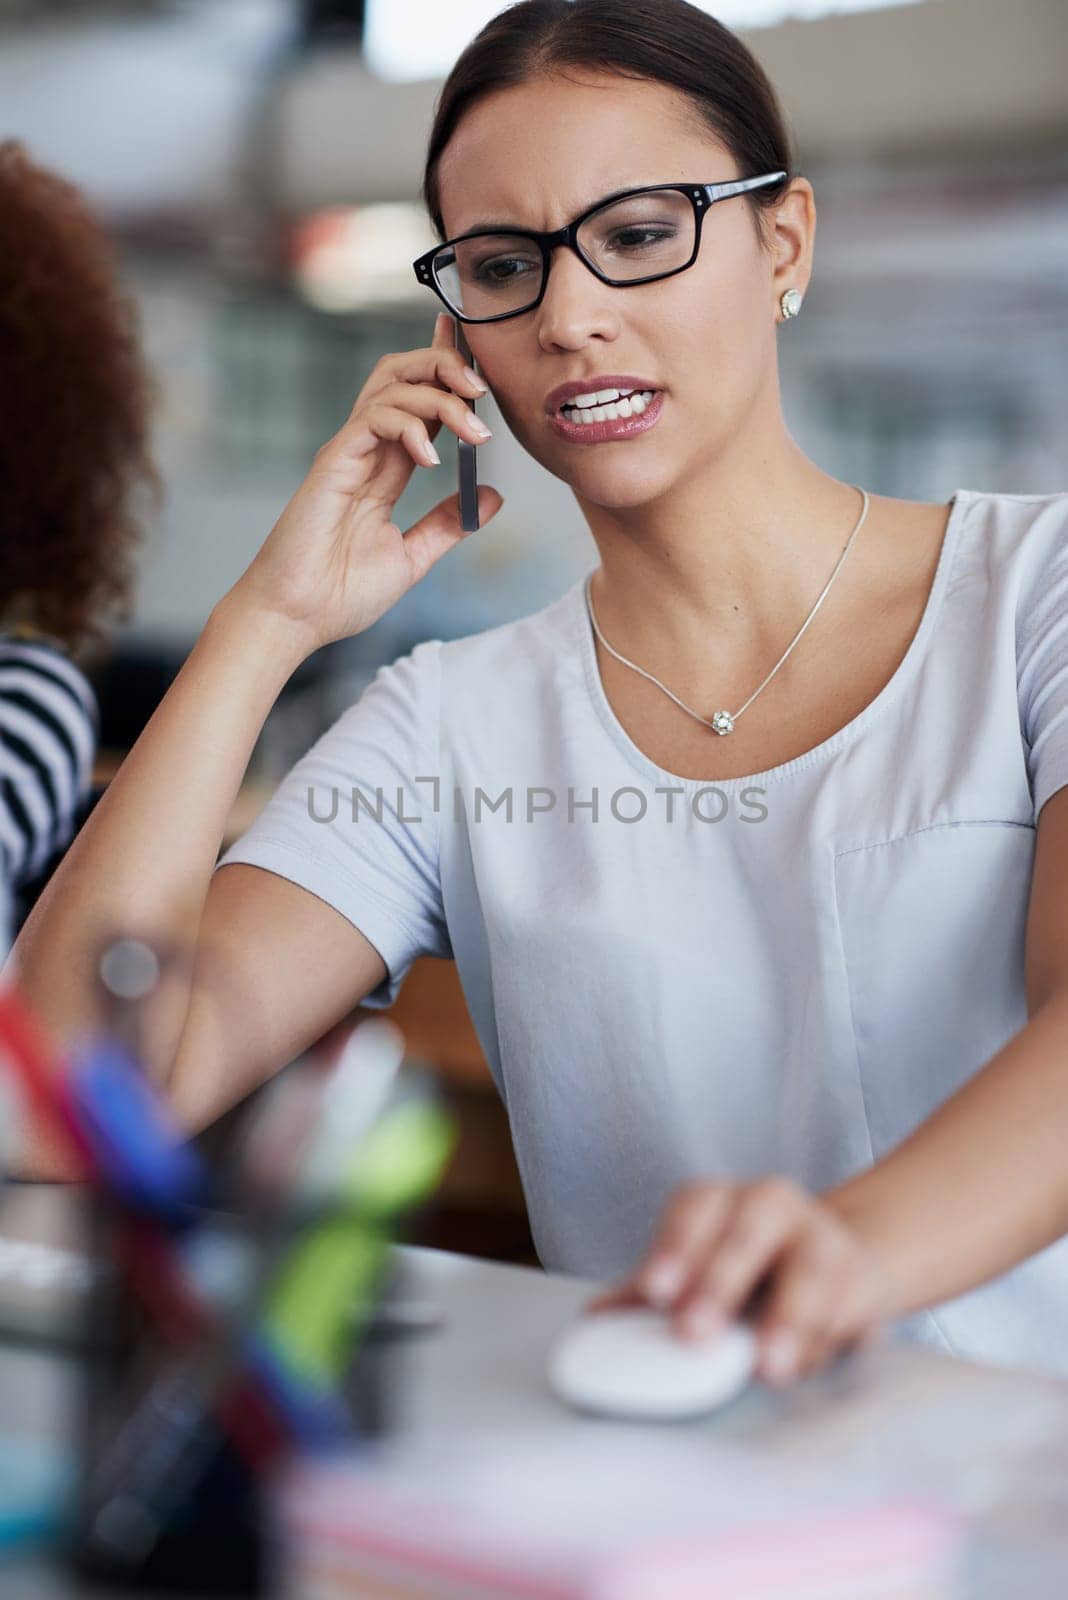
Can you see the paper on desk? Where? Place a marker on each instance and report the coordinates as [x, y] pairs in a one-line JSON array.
[[36, 1479], [616, 1515]]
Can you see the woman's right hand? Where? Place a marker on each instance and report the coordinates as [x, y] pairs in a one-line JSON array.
[[334, 562]]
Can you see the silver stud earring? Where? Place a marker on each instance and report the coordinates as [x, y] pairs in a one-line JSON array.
[[791, 302]]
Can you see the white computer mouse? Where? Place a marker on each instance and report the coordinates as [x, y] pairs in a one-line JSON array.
[[631, 1362]]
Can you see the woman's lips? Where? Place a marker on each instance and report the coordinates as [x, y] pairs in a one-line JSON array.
[[601, 432]]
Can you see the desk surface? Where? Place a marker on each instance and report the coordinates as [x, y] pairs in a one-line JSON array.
[[897, 1417]]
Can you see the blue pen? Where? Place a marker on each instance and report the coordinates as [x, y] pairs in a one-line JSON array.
[[142, 1157]]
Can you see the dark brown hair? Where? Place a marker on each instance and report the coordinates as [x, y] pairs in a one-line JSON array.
[[75, 399], [669, 41]]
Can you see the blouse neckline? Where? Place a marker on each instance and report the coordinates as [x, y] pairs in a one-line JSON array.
[[906, 669]]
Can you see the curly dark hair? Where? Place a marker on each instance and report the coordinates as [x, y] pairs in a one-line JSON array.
[[75, 412]]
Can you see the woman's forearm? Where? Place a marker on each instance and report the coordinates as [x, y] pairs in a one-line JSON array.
[[143, 860], [983, 1183]]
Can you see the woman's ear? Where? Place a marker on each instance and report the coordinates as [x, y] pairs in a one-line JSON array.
[[793, 238]]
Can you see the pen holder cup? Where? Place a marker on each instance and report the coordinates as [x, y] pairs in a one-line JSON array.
[[185, 1415]]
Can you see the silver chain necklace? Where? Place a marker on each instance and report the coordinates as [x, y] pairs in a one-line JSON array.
[[723, 721]]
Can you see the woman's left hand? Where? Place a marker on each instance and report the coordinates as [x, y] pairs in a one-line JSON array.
[[820, 1287]]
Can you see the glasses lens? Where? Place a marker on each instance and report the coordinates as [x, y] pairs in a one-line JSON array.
[[490, 274], [640, 236]]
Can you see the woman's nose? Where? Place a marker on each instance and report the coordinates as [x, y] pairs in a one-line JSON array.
[[575, 303]]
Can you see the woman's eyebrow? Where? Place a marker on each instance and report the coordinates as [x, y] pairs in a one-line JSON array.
[[501, 226], [508, 226]]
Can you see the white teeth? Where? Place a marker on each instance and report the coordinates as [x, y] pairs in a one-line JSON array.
[[603, 397], [630, 406]]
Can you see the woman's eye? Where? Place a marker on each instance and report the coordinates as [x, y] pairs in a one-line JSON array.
[[498, 271], [635, 238]]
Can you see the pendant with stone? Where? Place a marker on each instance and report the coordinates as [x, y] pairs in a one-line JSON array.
[[723, 722]]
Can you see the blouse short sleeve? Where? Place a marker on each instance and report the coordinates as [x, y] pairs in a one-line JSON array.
[[1042, 666], [354, 820]]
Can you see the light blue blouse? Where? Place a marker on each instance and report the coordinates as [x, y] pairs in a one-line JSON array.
[[786, 972]]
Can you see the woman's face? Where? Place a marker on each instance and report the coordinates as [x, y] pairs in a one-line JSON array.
[[536, 155]]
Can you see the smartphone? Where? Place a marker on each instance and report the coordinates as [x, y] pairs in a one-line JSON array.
[[468, 473]]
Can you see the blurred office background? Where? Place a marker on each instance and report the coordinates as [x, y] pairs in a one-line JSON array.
[[259, 164]]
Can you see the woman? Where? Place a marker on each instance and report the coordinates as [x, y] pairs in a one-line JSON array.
[[724, 975], [73, 444]]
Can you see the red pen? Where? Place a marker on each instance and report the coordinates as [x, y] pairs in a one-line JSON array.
[[43, 1073]]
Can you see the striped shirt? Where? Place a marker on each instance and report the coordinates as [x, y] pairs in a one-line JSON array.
[[49, 723]]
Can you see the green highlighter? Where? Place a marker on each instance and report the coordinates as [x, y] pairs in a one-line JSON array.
[[327, 1287]]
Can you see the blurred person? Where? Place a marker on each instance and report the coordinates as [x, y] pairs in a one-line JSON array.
[[74, 400], [782, 1027]]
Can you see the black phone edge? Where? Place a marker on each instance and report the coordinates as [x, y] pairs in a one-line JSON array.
[[468, 469]]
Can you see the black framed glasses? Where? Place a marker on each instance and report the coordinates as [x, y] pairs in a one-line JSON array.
[[630, 237]]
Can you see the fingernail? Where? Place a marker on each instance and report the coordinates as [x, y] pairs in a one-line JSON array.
[[430, 453], [704, 1319], [480, 427], [781, 1351], [663, 1280], [473, 377]]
